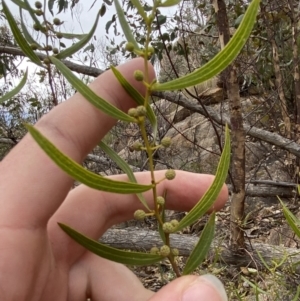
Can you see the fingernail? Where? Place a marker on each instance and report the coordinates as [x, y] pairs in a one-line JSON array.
[[206, 287]]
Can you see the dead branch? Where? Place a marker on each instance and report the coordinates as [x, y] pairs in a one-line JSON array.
[[143, 240], [272, 138]]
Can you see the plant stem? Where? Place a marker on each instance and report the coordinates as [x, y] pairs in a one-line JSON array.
[[171, 257]]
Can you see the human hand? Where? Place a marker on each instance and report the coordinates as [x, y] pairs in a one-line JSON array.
[[38, 261]]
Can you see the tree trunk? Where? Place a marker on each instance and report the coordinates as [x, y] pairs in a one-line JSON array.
[[237, 240], [294, 21], [279, 82]]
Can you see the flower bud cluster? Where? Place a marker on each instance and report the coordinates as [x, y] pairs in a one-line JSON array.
[[166, 141], [170, 227], [139, 111], [59, 35], [129, 47], [151, 50], [56, 21], [136, 146], [174, 223], [38, 12], [175, 252], [138, 75], [38, 4], [154, 250], [170, 174], [160, 201], [132, 112], [139, 215], [165, 251]]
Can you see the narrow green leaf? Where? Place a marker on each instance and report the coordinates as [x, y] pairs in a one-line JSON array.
[[292, 220], [168, 3], [161, 19], [50, 6], [254, 286], [139, 8], [263, 261], [213, 191], [102, 10], [124, 257], [80, 44], [20, 3], [19, 37], [89, 94], [125, 167], [26, 33], [201, 249], [77, 172], [297, 296], [137, 97], [16, 90], [108, 2], [125, 26], [222, 60], [71, 36]]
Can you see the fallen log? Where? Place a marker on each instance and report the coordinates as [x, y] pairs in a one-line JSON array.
[[137, 239]]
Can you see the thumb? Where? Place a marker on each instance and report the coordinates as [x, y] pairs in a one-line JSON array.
[[192, 288]]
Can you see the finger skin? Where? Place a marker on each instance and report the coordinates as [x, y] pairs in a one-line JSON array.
[[191, 288], [33, 187], [30, 180]]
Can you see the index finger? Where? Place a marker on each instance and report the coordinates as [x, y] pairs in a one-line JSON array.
[[33, 186]]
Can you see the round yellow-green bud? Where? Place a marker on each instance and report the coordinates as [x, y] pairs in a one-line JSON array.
[[38, 12], [136, 146], [139, 215], [175, 252], [160, 200], [174, 223], [151, 50], [46, 61], [44, 29], [56, 21], [34, 46], [154, 250], [138, 75], [168, 227], [133, 112], [166, 141], [170, 174], [36, 27], [48, 47], [38, 4], [141, 111], [59, 35], [165, 251], [129, 47], [150, 19], [55, 50]]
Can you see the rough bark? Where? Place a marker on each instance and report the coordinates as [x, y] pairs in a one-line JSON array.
[[296, 75], [238, 136], [279, 86], [279, 82], [144, 240]]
